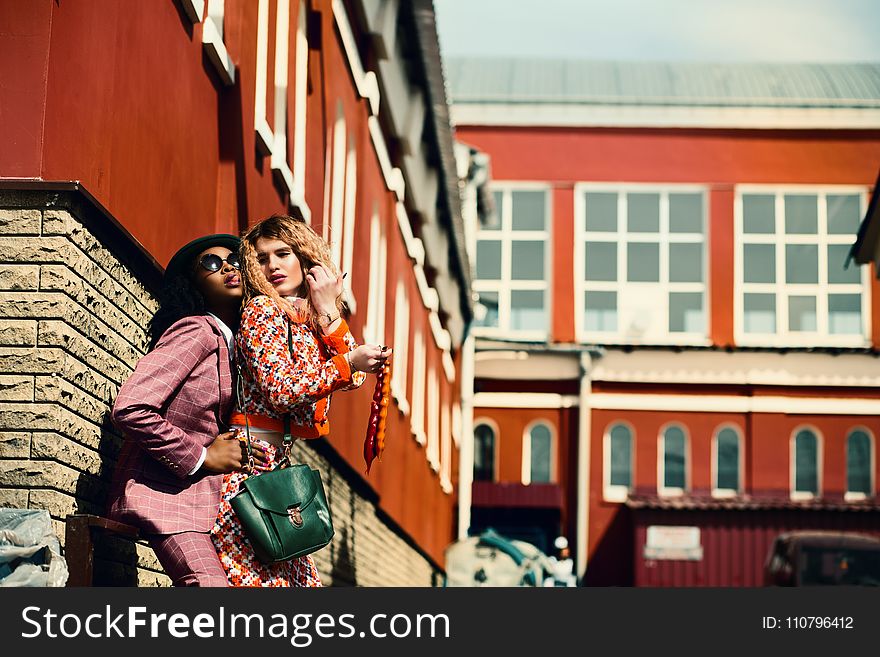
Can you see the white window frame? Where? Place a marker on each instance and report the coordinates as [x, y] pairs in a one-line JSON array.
[[802, 495], [505, 285], [662, 489], [300, 85], [856, 496], [417, 419], [526, 468], [374, 327], [616, 492], [273, 142], [621, 237], [445, 447], [727, 492], [401, 348], [213, 40], [433, 408], [333, 229], [348, 221], [493, 425], [781, 289]]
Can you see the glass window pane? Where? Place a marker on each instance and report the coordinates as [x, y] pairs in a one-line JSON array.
[[601, 211], [541, 451], [759, 214], [643, 213], [486, 310], [620, 457], [528, 209], [493, 219], [801, 214], [759, 263], [686, 263], [527, 311], [643, 262], [600, 311], [806, 452], [527, 261], [600, 260], [686, 213], [759, 313], [484, 453], [802, 313], [845, 314], [728, 460], [673, 458], [837, 256], [489, 260], [858, 463], [801, 263], [686, 312], [843, 214]]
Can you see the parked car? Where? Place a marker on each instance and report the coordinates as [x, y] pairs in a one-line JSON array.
[[819, 558]]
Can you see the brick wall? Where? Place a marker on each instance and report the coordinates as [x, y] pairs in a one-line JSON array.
[[75, 299]]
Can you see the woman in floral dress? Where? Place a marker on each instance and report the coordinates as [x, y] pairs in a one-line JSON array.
[[291, 291]]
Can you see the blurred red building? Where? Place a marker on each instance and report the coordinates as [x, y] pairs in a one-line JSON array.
[[672, 360]]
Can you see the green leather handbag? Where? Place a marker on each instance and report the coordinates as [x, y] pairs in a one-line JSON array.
[[283, 512]]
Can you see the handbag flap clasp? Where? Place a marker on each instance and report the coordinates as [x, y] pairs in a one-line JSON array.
[[283, 489]]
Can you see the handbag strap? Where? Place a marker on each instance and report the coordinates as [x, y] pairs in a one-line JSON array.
[[288, 437]]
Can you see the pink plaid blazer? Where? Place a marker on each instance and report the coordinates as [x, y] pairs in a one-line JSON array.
[[169, 409]]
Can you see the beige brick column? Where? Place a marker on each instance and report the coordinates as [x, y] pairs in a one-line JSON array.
[[72, 320]]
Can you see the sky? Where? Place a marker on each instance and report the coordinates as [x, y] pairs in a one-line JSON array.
[[663, 30]]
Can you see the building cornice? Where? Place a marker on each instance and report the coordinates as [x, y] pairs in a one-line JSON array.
[[570, 115]]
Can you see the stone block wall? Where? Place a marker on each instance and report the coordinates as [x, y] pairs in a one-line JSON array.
[[75, 299]]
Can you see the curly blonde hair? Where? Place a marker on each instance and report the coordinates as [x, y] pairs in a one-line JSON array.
[[309, 248]]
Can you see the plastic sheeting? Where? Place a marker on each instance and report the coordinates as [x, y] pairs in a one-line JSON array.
[[30, 553], [493, 560]]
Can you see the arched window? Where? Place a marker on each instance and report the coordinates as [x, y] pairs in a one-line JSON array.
[[484, 453], [806, 464], [674, 461], [727, 460], [538, 453], [859, 465], [618, 462]]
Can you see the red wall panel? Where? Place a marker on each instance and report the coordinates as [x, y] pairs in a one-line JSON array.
[[686, 156], [24, 58], [720, 235], [735, 543], [562, 303]]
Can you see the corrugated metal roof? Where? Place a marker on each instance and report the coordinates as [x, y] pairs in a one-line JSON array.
[[480, 80]]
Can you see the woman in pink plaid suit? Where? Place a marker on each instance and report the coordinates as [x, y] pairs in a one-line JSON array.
[[292, 292], [173, 410]]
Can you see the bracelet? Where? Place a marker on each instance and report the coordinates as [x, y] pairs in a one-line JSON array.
[[326, 319], [347, 356]]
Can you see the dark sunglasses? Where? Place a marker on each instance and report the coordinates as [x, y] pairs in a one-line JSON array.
[[212, 262]]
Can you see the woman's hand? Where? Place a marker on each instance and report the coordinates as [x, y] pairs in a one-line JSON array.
[[324, 289], [228, 453], [369, 358]]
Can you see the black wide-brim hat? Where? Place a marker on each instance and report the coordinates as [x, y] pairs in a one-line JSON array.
[[181, 262]]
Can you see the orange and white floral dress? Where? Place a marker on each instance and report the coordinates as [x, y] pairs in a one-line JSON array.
[[277, 380]]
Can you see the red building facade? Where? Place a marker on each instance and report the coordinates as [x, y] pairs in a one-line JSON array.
[[166, 120], [663, 286]]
